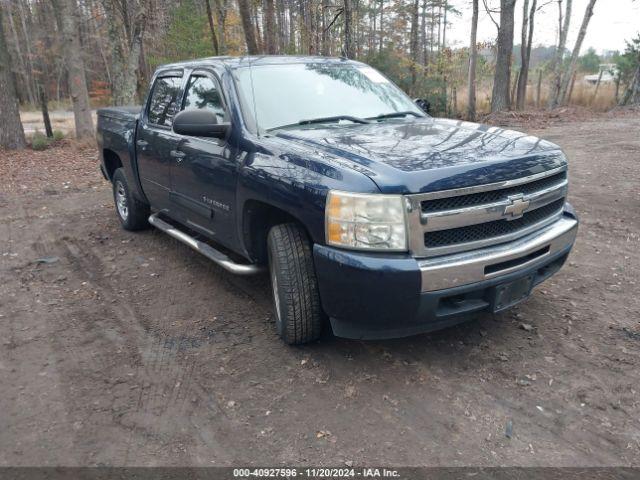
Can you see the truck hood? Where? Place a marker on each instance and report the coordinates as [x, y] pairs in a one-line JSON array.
[[430, 154]]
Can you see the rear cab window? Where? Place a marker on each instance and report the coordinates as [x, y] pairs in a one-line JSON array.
[[164, 101]]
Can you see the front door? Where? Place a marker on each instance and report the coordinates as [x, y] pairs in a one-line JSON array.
[[155, 140], [204, 170]]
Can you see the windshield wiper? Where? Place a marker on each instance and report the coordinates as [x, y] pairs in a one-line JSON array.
[[333, 119], [395, 115], [336, 118]]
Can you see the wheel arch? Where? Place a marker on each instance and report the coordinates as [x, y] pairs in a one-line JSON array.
[[112, 162], [258, 218]]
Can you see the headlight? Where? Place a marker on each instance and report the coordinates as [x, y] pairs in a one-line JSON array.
[[365, 221]]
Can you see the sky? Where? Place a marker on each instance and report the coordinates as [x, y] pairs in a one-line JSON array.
[[613, 22]]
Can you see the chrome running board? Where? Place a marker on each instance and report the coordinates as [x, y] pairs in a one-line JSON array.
[[207, 250]]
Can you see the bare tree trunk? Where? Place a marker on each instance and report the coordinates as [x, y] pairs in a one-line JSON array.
[[25, 29], [325, 34], [43, 71], [270, 27], [214, 38], [281, 26], [221, 14], [595, 93], [44, 108], [523, 56], [301, 25], [354, 28], [370, 28], [632, 94], [381, 46], [573, 84], [634, 97], [500, 99], [348, 38], [525, 51], [444, 25], [67, 12], [423, 33], [413, 46], [132, 69], [454, 103], [439, 24], [247, 25], [444, 92], [127, 21], [258, 32], [20, 57], [11, 133], [473, 60], [313, 37], [514, 88], [100, 44], [576, 52], [432, 29], [539, 89], [557, 67], [292, 29]]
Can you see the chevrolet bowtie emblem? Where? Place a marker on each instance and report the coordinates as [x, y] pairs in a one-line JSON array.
[[517, 206]]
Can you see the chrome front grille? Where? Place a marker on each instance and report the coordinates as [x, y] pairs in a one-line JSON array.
[[463, 219], [497, 228], [491, 196]]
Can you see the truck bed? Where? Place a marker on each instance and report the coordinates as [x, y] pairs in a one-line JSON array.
[[115, 137], [122, 113]]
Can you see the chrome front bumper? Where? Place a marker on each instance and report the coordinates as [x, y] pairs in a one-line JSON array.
[[475, 266]]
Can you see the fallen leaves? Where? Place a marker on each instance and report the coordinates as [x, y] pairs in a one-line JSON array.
[[325, 434], [65, 166]]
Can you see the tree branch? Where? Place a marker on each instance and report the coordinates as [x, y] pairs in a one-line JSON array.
[[488, 10]]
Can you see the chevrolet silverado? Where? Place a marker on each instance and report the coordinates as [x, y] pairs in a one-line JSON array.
[[365, 210]]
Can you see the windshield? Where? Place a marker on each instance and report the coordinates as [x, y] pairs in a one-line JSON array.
[[284, 95]]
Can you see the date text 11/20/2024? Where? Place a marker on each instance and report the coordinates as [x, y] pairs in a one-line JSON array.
[[315, 472]]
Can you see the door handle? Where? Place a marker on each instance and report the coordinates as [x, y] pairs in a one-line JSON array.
[[142, 143], [178, 155]]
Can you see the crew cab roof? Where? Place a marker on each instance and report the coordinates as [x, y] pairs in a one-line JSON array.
[[245, 61]]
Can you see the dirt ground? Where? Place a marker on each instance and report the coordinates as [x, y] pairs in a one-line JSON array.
[[131, 349]]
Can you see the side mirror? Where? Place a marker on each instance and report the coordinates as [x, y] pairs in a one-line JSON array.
[[199, 123], [423, 104]]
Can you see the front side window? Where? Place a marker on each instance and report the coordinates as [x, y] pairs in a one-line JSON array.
[[164, 101], [203, 92], [281, 95]]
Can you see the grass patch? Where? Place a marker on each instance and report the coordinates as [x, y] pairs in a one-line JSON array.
[[40, 141]]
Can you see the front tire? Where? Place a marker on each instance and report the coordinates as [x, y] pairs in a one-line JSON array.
[[132, 213], [296, 299]]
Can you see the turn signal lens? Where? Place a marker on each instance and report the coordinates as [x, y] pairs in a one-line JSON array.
[[365, 221]]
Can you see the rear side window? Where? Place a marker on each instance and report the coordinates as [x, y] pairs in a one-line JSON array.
[[203, 92], [164, 100]]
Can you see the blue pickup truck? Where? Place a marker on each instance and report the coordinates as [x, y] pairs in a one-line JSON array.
[[364, 210]]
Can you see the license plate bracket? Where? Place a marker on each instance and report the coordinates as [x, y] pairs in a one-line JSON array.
[[509, 294]]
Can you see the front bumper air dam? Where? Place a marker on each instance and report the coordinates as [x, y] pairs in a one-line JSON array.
[[369, 296]]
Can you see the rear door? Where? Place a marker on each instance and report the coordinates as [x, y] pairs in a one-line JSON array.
[[155, 139], [204, 172]]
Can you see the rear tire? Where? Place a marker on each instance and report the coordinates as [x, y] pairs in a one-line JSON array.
[[132, 213], [296, 299]]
